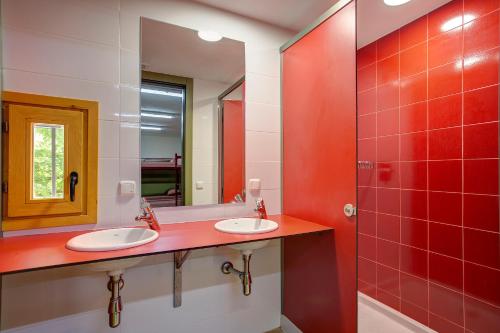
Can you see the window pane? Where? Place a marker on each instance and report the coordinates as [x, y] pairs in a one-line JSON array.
[[48, 161]]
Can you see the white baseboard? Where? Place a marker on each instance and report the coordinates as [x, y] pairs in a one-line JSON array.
[[397, 316], [287, 326]]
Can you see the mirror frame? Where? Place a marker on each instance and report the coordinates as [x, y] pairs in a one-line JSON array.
[[189, 142], [220, 107]]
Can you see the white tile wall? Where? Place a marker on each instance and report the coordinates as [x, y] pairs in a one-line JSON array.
[[130, 140], [148, 297], [109, 177], [262, 59], [89, 49], [72, 22], [130, 103], [263, 146], [263, 118], [264, 89], [109, 139], [268, 172], [107, 93], [129, 68], [108, 216], [56, 55]]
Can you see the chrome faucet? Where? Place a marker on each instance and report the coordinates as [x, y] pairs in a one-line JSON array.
[[261, 208], [238, 198], [148, 216]]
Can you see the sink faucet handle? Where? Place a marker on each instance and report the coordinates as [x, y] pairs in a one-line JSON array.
[[145, 208], [259, 202], [261, 208], [148, 215], [145, 203], [238, 198]]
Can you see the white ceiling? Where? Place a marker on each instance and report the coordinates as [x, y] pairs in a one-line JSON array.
[[155, 108], [174, 50], [236, 94], [292, 15], [375, 19]]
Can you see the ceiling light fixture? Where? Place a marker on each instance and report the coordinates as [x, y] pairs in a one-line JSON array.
[[156, 110], [154, 115], [161, 92], [151, 128], [209, 36], [395, 2], [456, 22], [472, 60]]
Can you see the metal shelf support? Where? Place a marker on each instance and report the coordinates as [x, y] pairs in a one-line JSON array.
[[179, 259]]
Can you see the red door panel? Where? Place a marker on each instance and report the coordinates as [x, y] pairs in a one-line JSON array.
[[319, 175], [234, 155]]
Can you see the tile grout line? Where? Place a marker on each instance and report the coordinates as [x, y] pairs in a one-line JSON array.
[[475, 89], [463, 165], [491, 122], [427, 173], [375, 170], [433, 191], [441, 285], [435, 253], [462, 193], [433, 37], [399, 166]]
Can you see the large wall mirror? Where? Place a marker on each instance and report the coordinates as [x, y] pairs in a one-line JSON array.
[[192, 116]]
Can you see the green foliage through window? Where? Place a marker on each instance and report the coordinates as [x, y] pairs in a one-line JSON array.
[[48, 161]]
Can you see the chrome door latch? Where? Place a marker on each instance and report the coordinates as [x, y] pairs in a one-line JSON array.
[[349, 210]]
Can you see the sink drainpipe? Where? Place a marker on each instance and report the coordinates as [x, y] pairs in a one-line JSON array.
[[245, 276], [115, 284]]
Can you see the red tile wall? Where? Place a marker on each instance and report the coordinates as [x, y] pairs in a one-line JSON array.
[[428, 223]]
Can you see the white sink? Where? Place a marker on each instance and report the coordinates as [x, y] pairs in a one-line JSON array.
[[112, 239], [246, 226], [113, 267], [249, 247]]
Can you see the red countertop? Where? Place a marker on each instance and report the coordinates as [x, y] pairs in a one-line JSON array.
[[25, 253]]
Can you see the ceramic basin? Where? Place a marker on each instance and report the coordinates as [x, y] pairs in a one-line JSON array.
[[112, 239], [246, 226], [249, 247], [113, 267]]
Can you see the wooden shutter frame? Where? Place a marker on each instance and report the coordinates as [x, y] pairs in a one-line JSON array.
[[90, 162]]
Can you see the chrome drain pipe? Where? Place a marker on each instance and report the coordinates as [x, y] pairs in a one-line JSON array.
[[115, 284], [245, 276]]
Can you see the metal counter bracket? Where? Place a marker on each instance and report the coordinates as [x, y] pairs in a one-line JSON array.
[[179, 259], [1, 279]]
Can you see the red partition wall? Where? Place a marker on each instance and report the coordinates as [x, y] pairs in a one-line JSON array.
[[429, 241], [234, 155], [319, 175]]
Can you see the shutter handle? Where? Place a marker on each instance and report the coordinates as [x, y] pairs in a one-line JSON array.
[[73, 180], [349, 210]]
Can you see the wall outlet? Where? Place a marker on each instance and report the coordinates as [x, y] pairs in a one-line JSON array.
[[254, 184], [127, 187]]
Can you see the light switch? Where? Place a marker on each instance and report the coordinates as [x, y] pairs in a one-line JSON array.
[[199, 185], [127, 187], [254, 184]]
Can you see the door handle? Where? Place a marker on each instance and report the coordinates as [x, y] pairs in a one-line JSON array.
[[349, 210], [73, 180]]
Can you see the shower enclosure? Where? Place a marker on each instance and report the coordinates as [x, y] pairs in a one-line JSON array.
[[428, 227], [420, 108]]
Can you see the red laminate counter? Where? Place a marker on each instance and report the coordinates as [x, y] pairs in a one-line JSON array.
[[26, 253]]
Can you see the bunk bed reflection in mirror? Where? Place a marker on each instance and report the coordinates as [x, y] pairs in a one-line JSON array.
[[161, 179], [232, 143], [192, 117]]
